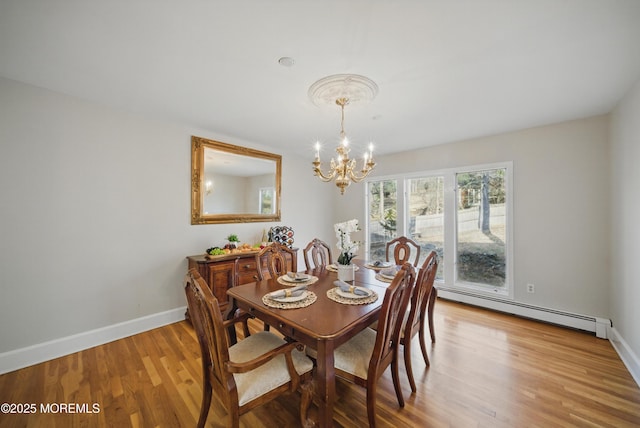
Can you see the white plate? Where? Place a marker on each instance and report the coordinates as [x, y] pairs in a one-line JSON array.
[[291, 299], [348, 295], [385, 275], [301, 277], [382, 265]]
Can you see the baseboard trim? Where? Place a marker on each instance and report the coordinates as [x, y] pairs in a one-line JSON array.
[[628, 357], [553, 316], [24, 357], [602, 327]]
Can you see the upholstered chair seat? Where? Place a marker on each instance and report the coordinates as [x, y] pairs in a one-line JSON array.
[[354, 356], [269, 376]]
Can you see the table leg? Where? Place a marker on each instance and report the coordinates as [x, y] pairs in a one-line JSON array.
[[326, 383]]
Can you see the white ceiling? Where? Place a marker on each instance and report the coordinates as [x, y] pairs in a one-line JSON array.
[[446, 70]]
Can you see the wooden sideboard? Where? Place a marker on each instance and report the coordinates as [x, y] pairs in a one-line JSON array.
[[218, 272]]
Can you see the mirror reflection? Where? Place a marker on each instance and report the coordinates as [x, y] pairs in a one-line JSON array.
[[233, 184]]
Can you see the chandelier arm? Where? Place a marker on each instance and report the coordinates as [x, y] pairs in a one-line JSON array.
[[328, 177], [366, 169]]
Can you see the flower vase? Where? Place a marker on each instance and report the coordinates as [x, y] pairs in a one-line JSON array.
[[346, 272]]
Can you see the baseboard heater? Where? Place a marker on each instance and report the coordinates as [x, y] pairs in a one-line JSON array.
[[599, 326]]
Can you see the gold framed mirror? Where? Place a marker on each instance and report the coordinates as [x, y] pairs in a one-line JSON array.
[[233, 184]]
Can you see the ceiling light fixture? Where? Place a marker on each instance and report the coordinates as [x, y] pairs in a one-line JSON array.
[[343, 89]]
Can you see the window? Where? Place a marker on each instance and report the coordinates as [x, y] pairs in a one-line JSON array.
[[463, 214], [265, 202], [425, 216], [382, 215]]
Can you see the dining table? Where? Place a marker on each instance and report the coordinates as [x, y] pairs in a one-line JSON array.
[[324, 323]]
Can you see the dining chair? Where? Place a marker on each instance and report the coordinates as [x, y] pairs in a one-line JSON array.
[[250, 373], [276, 259], [366, 356], [319, 252], [403, 250], [415, 322]]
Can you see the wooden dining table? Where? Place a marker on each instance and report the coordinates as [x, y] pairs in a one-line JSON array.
[[323, 326]]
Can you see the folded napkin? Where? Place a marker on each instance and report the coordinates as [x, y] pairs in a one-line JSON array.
[[350, 288], [389, 272], [289, 292], [296, 275]]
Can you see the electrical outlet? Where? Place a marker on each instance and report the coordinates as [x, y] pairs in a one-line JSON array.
[[531, 288]]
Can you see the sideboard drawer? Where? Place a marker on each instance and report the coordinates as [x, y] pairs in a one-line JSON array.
[[247, 271]]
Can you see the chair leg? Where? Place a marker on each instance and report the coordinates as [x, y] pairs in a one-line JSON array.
[[235, 420], [407, 364], [307, 396], [371, 403], [396, 381], [206, 403], [432, 302], [423, 346]]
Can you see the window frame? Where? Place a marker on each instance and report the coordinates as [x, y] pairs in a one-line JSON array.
[[451, 281]]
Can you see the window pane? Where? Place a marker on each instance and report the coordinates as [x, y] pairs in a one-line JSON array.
[[481, 228], [426, 217], [382, 212]]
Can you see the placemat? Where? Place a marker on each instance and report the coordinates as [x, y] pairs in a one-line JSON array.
[[333, 295], [312, 279], [383, 278], [333, 268], [311, 298]]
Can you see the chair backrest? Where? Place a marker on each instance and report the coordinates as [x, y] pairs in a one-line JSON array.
[[394, 306], [320, 254], [404, 249], [421, 292], [277, 263], [207, 322]]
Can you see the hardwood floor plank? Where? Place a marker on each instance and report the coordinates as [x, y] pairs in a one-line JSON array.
[[487, 370]]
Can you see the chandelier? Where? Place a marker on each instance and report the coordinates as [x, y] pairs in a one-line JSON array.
[[342, 89]]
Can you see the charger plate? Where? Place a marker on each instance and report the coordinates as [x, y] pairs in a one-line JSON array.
[[310, 299], [332, 294], [383, 278], [312, 279]]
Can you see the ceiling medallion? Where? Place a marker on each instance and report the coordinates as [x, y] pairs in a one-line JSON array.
[[343, 89], [353, 87]]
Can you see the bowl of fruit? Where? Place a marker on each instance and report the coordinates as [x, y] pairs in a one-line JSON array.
[[216, 251]]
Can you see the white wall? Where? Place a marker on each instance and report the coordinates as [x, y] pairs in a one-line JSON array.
[[561, 207], [95, 222], [625, 201], [94, 205]]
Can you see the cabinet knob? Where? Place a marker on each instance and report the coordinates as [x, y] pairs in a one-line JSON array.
[[247, 266]]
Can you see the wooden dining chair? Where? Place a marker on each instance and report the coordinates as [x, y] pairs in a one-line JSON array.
[[365, 357], [415, 322], [278, 263], [250, 373], [319, 252], [404, 249]]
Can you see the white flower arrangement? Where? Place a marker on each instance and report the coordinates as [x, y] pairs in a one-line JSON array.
[[347, 247]]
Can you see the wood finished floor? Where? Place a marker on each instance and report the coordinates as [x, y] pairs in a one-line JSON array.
[[487, 370]]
